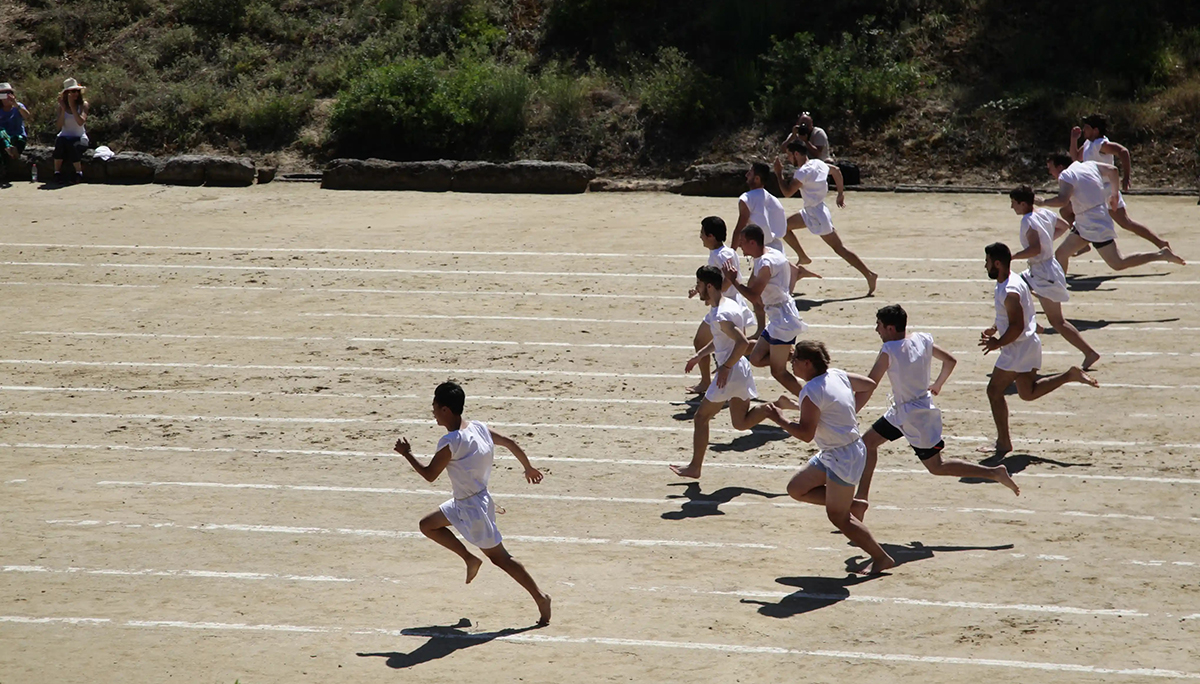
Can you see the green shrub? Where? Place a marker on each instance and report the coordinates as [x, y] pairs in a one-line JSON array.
[[424, 107], [218, 16], [675, 93], [266, 120]]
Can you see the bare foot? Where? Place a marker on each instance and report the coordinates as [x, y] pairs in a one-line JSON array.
[[1079, 376], [543, 605], [803, 260], [688, 471], [995, 450], [786, 402], [802, 272], [1005, 479], [872, 281], [473, 565], [858, 509], [1090, 360], [698, 388], [877, 565], [1172, 256], [1082, 250]]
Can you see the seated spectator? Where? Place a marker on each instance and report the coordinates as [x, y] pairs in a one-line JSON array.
[[72, 138], [12, 122]]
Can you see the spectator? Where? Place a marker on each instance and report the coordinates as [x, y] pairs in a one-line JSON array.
[[815, 138], [72, 138], [12, 122]]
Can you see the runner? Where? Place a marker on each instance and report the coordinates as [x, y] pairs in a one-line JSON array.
[[465, 452], [811, 180], [828, 406], [1039, 228], [734, 382], [908, 360], [712, 235], [1015, 335]]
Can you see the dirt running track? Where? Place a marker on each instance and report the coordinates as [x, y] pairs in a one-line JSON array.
[[200, 389]]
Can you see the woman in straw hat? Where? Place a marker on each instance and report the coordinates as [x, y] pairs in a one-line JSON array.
[[72, 138]]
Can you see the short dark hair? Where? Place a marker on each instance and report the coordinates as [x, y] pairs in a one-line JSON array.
[[813, 352], [761, 170], [1060, 159], [1023, 193], [709, 275], [998, 251], [1098, 122], [714, 226], [893, 315], [799, 147], [450, 395], [754, 234]]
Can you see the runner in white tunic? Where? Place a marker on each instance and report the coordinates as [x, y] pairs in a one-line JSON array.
[[734, 383], [1039, 228], [1015, 335], [907, 358], [828, 406], [712, 235], [1091, 190], [811, 180], [465, 452], [769, 286], [1097, 147]]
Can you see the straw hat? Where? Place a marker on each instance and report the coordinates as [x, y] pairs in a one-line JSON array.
[[71, 84], [5, 87]]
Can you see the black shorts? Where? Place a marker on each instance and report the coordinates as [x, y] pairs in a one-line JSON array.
[[69, 149], [891, 433], [1097, 245]]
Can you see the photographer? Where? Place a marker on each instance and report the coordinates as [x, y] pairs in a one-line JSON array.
[[72, 138], [815, 138], [12, 122]]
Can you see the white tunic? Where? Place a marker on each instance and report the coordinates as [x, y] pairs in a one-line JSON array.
[[783, 318], [1024, 353], [719, 258], [842, 452], [1045, 275], [910, 362], [740, 384], [1087, 186], [471, 511], [767, 212], [814, 181], [1091, 152]]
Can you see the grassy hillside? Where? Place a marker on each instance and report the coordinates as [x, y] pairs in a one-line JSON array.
[[915, 90]]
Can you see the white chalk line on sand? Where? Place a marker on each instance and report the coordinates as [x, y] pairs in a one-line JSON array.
[[546, 640], [523, 425], [668, 501], [546, 460], [486, 343], [188, 574], [439, 370], [855, 598], [402, 534], [477, 272], [567, 295]]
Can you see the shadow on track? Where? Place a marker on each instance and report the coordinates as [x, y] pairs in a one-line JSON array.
[[701, 505], [443, 640]]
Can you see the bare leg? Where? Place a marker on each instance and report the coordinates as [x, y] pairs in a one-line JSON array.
[[808, 486], [760, 315], [851, 258], [1119, 262], [1030, 387], [1121, 216], [1069, 332], [794, 223], [436, 527], [760, 355], [701, 340], [704, 415], [1000, 381], [780, 355], [503, 560], [1067, 248], [838, 500], [953, 467], [873, 440], [743, 417]]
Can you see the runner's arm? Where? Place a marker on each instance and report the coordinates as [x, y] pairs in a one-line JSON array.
[[880, 367], [436, 465], [753, 289], [1061, 227], [806, 428], [1012, 306], [1034, 248], [1122, 153], [948, 364], [532, 474], [741, 345], [1113, 176], [704, 352], [1062, 199], [1073, 150], [788, 186], [863, 388], [838, 183]]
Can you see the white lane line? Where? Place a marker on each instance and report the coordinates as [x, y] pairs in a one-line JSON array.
[[437, 341], [400, 534], [193, 574], [476, 272], [568, 295], [859, 598], [445, 370], [15, 481], [677, 501], [548, 460], [544, 426], [622, 642]]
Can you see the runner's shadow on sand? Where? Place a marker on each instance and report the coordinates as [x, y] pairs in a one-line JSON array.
[[1093, 283], [1016, 463], [806, 305], [821, 592], [701, 505], [1085, 325], [443, 640], [758, 437]]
